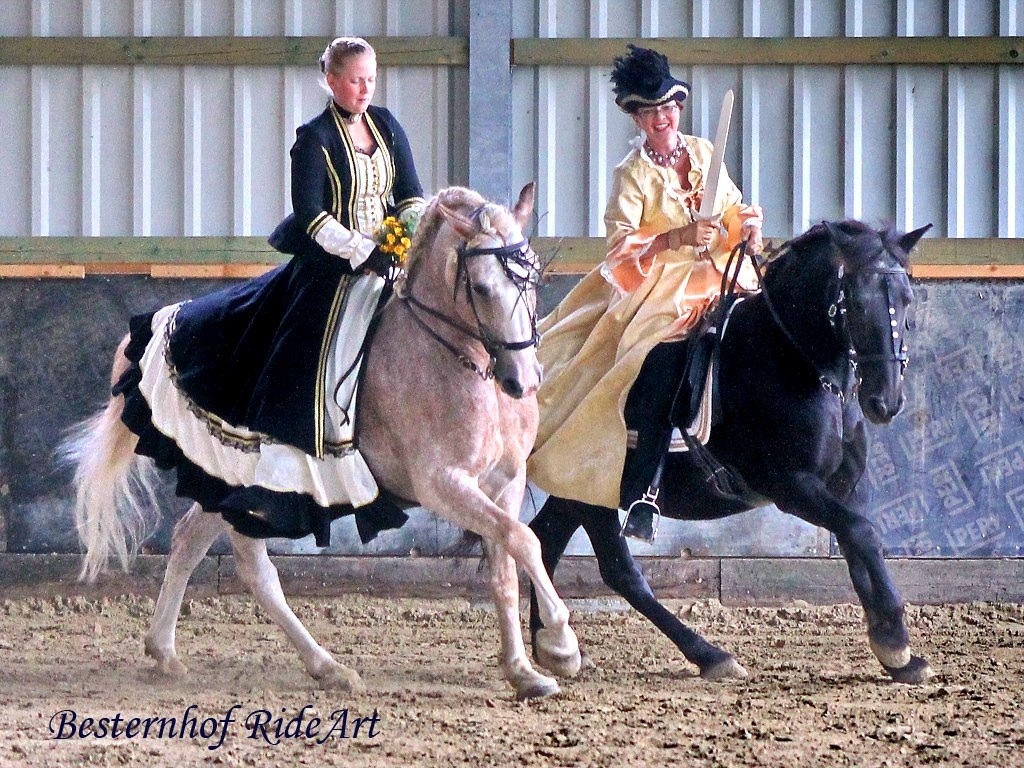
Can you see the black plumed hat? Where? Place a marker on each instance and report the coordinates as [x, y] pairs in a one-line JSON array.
[[642, 78]]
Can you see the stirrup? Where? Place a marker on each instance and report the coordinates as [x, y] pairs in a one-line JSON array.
[[640, 521]]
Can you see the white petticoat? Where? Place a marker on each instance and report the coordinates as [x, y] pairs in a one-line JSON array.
[[244, 458]]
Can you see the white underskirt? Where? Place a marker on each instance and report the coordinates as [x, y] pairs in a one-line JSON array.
[[217, 447]]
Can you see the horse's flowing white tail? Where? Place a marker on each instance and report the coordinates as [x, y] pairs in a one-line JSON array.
[[114, 488]]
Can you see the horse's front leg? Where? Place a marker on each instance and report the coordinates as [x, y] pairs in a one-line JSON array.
[[555, 642], [456, 496], [620, 572], [527, 682], [554, 527], [260, 576], [861, 546], [193, 536]]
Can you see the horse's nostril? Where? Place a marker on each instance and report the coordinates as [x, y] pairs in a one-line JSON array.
[[512, 387]]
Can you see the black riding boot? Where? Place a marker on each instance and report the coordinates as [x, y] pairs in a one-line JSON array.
[[648, 411], [641, 484]]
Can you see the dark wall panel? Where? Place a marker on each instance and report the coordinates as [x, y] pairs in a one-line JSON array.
[[945, 479]]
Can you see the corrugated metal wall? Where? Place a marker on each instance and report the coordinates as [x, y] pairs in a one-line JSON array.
[[187, 150], [906, 143]]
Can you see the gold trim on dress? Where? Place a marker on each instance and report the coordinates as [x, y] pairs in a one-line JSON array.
[[335, 179], [222, 431], [317, 223], [350, 152], [319, 397], [409, 203]]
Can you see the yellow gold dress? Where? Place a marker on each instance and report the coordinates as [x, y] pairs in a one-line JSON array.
[[593, 344]]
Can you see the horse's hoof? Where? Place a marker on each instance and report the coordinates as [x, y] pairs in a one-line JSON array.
[[586, 662], [172, 668], [562, 666], [727, 669], [539, 687], [340, 678], [167, 663], [562, 658], [891, 658], [915, 672]]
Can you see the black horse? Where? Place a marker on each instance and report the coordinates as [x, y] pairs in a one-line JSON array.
[[801, 365]]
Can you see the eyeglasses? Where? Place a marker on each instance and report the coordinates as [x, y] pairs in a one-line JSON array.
[[669, 108]]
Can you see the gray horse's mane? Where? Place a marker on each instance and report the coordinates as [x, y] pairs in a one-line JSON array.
[[489, 217]]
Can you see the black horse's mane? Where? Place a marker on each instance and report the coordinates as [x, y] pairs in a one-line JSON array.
[[860, 246]]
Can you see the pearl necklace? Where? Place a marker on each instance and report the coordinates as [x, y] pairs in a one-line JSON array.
[[668, 161]]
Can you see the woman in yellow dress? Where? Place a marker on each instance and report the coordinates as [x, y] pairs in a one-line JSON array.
[[623, 323]]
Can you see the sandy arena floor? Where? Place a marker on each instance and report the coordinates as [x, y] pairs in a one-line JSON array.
[[816, 696]]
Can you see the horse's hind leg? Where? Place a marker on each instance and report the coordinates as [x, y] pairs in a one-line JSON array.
[[260, 575], [193, 536], [528, 683], [620, 572]]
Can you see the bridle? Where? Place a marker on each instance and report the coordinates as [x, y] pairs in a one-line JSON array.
[[519, 263], [898, 351], [837, 318]]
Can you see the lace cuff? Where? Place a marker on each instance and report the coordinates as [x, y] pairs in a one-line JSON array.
[[344, 242]]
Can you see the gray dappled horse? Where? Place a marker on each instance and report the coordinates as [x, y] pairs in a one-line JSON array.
[[802, 364], [449, 430]]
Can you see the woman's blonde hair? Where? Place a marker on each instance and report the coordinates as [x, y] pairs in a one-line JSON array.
[[341, 50]]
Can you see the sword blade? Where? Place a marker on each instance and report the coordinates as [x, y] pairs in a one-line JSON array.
[[707, 204]]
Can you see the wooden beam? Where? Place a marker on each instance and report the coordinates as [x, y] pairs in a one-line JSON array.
[[42, 270], [47, 575], [968, 271], [934, 257], [141, 250], [970, 250], [209, 271], [585, 52], [224, 51], [734, 581], [563, 51], [826, 581], [237, 257], [442, 577]]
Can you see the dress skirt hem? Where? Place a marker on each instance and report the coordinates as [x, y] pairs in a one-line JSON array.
[[246, 477]]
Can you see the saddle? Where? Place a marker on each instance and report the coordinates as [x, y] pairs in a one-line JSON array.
[[696, 408], [697, 405]]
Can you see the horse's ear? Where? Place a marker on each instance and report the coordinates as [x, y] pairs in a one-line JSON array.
[[909, 240], [462, 226], [524, 206], [842, 239]]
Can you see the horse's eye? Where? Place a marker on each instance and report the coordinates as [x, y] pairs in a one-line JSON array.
[[483, 291]]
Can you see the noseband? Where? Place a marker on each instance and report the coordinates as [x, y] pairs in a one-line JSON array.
[[519, 265]]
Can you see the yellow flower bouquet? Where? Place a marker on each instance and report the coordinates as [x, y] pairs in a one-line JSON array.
[[394, 240]]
